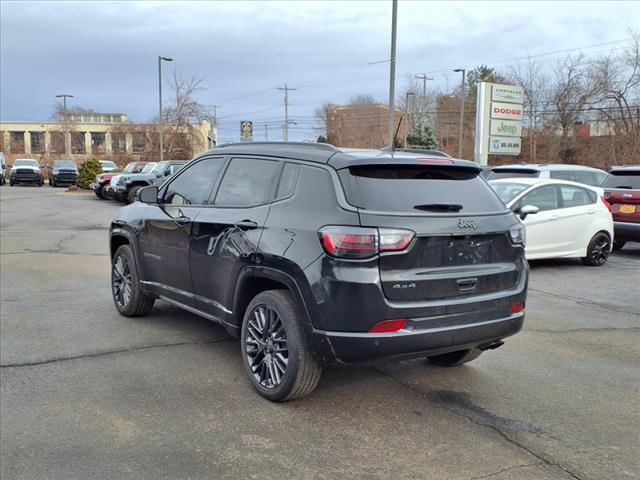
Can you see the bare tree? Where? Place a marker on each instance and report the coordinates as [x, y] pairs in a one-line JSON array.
[[617, 83], [534, 81]]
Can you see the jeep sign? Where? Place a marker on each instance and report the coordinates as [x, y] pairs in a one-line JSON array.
[[506, 128]]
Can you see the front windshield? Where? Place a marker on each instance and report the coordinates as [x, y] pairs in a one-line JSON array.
[[25, 163], [64, 164], [108, 164], [149, 167], [129, 168], [507, 191]]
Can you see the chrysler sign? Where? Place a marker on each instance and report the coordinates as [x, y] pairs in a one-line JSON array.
[[507, 93]]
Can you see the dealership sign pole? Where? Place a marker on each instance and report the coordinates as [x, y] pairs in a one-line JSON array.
[[498, 121]]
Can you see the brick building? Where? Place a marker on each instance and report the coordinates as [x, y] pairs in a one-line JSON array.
[[362, 126]]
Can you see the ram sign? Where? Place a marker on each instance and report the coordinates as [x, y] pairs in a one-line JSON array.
[[498, 120]]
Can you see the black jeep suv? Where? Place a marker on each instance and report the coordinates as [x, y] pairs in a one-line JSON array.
[[317, 255]]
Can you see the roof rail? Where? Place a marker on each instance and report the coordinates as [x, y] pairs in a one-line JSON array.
[[320, 146]]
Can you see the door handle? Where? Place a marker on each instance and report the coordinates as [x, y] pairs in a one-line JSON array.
[[246, 225], [182, 220]]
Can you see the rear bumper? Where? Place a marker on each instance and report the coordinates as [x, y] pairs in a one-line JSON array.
[[627, 231], [421, 338]]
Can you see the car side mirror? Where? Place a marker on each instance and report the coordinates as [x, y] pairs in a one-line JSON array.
[[148, 194], [527, 210]]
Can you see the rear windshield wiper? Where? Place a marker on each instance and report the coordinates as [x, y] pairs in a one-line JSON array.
[[439, 207]]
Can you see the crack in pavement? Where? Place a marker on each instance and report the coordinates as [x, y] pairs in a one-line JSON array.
[[112, 352], [508, 469], [584, 301], [585, 330], [473, 420], [55, 252]]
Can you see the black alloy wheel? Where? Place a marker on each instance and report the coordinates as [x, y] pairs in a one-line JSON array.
[[266, 346], [598, 250], [128, 297], [274, 349]]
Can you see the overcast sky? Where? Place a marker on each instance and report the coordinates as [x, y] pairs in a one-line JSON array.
[[105, 53]]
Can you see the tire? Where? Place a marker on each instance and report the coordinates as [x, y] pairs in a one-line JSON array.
[[454, 359], [103, 192], [131, 195], [11, 184], [598, 250], [52, 183], [297, 368], [128, 297], [98, 192], [618, 244]]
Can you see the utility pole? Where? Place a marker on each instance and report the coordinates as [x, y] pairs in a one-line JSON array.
[[406, 117], [215, 114], [461, 132], [67, 141], [160, 59], [286, 90], [266, 133], [424, 79], [392, 69]]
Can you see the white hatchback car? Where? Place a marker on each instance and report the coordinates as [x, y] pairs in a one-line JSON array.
[[562, 219], [573, 173]]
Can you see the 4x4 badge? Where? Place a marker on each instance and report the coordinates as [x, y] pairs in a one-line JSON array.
[[467, 224]]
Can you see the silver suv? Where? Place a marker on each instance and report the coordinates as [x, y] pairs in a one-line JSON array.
[[573, 173]]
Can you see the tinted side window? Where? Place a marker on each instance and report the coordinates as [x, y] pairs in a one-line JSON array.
[[562, 175], [544, 198], [247, 182], [288, 179], [575, 196], [588, 178], [193, 185]]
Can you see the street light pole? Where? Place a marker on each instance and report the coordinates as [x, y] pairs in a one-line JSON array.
[[461, 133], [67, 144], [392, 70], [160, 59], [406, 117]]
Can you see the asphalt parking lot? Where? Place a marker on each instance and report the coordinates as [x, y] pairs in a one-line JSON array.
[[86, 393]]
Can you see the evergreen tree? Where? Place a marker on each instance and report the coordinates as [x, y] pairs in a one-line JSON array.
[[422, 137]]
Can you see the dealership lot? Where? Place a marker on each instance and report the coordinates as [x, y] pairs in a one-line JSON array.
[[87, 393]]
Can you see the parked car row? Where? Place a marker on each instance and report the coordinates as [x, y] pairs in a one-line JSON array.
[[30, 171], [123, 186]]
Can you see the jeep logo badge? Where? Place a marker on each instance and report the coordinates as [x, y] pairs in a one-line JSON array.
[[467, 224]]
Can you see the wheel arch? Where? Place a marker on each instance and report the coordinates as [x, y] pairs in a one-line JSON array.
[[255, 280]]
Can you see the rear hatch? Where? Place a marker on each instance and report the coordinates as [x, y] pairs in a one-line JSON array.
[[622, 191], [462, 245]]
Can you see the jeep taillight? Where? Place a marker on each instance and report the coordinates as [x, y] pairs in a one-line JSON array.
[[361, 242]]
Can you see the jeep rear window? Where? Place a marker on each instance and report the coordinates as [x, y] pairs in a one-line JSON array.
[[630, 180], [418, 188], [514, 173]]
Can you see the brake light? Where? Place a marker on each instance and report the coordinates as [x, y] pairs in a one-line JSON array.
[[434, 161], [517, 307], [606, 204], [359, 242], [389, 326]]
